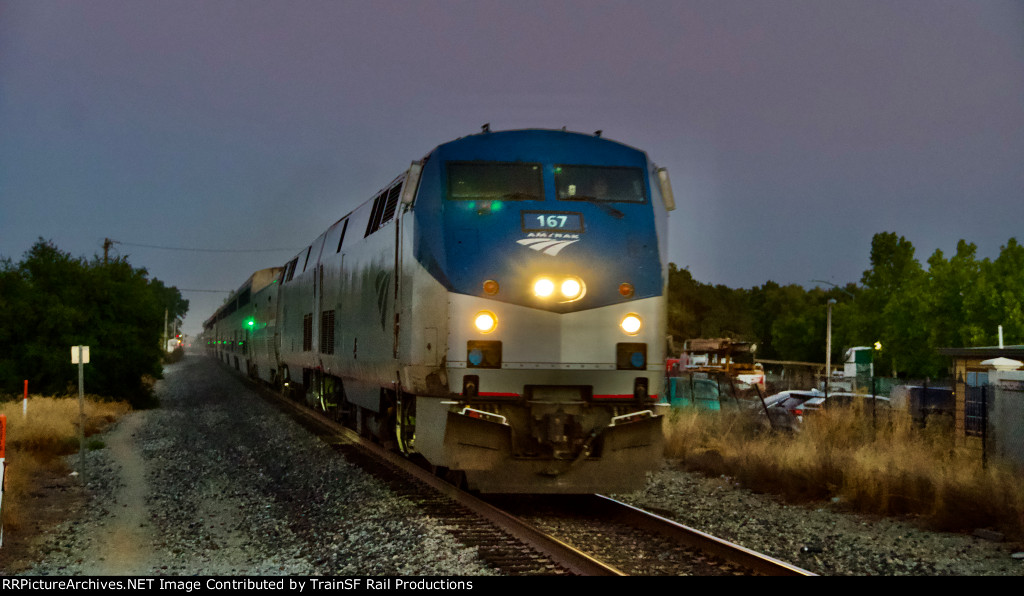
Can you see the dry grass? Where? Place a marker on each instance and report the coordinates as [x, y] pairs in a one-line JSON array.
[[51, 426], [36, 441], [887, 467]]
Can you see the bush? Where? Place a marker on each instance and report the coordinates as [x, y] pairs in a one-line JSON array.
[[51, 301], [174, 356]]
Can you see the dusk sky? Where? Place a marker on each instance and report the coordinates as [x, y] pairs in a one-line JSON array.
[[793, 131]]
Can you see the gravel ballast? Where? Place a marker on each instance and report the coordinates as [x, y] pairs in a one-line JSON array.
[[231, 486], [218, 482], [820, 538]]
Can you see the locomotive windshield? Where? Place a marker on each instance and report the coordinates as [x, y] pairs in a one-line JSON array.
[[594, 183], [474, 181]]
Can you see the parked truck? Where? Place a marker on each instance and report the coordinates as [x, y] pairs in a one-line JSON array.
[[726, 356]]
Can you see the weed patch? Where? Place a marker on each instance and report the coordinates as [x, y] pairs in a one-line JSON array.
[[878, 464], [36, 443]]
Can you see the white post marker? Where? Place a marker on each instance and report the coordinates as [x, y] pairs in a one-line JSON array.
[[80, 356], [24, 402]]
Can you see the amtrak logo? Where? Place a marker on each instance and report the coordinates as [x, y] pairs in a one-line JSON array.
[[549, 244]]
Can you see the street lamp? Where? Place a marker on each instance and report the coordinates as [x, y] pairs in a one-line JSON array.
[[828, 345]]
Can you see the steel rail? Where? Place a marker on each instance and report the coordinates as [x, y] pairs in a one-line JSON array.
[[645, 520]]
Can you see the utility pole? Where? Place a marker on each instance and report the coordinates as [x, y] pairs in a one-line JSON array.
[[828, 345], [107, 243]]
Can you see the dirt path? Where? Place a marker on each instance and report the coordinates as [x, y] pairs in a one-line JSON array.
[[123, 542]]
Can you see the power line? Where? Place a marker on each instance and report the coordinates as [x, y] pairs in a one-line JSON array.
[[211, 291], [205, 249]]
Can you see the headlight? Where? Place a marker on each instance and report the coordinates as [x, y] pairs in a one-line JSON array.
[[571, 289], [543, 287], [631, 324], [485, 321]]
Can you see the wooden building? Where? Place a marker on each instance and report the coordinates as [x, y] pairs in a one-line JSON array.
[[970, 375]]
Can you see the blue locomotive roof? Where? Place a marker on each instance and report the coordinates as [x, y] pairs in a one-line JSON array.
[[528, 144], [465, 242]]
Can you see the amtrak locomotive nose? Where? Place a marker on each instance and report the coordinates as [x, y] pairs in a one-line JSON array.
[[571, 216]]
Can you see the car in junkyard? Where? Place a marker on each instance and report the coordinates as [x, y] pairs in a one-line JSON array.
[[694, 390], [788, 410], [784, 410], [843, 399]]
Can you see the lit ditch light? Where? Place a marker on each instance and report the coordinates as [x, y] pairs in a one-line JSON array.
[[485, 321], [631, 324]]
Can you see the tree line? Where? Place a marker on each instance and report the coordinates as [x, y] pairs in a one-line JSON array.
[[50, 301], [910, 309]]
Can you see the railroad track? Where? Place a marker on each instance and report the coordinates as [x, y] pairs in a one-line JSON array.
[[639, 542], [536, 535]]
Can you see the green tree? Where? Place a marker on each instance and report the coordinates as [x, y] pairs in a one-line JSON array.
[[702, 310], [952, 298], [887, 304], [799, 332], [1000, 296], [51, 301]]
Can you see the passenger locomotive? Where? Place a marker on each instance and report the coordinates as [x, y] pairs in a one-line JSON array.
[[498, 309]]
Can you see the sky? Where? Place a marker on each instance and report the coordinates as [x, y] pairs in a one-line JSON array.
[[793, 130]]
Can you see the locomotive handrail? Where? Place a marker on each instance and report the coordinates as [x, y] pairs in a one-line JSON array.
[[644, 413], [504, 420]]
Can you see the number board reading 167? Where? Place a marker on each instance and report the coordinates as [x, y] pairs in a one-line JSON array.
[[547, 221]]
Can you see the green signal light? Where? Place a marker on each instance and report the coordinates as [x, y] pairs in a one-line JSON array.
[[251, 322]]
